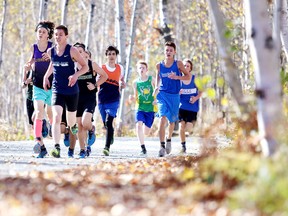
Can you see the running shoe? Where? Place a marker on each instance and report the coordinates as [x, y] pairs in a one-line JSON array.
[[82, 154], [88, 151], [168, 146], [45, 129], [70, 153], [106, 151], [162, 152], [55, 152], [74, 129], [183, 150], [37, 148], [42, 153], [91, 136], [143, 152], [66, 139]]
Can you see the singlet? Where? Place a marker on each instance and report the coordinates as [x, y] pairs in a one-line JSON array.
[[145, 98], [87, 77], [41, 66], [188, 91], [63, 67], [109, 90], [169, 85]]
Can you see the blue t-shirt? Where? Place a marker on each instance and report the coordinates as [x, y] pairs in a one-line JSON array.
[[188, 91], [169, 85], [63, 67]]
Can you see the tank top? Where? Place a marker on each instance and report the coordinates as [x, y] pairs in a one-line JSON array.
[[41, 66], [63, 67], [109, 91], [188, 91], [169, 85], [87, 77], [144, 101]]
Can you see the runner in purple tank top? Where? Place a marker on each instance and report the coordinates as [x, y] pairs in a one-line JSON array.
[[39, 62]]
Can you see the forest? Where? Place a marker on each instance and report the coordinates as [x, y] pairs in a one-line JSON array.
[[239, 52]]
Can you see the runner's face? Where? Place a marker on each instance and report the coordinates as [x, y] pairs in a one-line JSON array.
[[82, 52], [141, 69], [111, 56], [169, 52], [42, 33], [60, 36], [187, 66]]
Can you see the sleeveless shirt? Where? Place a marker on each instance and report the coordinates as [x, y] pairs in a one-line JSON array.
[[109, 91], [188, 91], [169, 85], [41, 66], [63, 67], [144, 101], [87, 77]]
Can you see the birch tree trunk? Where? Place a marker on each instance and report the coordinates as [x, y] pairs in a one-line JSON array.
[[64, 12], [2, 30], [89, 24], [265, 55], [231, 72], [284, 30], [128, 62], [121, 26], [164, 30], [147, 41], [43, 10]]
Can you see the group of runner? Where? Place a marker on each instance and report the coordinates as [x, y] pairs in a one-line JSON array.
[[65, 83]]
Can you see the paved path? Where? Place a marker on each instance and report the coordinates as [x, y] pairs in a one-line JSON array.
[[17, 157]]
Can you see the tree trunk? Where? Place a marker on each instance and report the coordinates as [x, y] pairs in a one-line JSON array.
[[147, 45], [89, 23], [121, 41], [284, 31], [2, 30], [128, 62], [43, 10], [64, 12], [164, 29], [265, 55], [228, 65]]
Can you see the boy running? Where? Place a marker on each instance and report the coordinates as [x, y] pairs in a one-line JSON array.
[[64, 85], [143, 88], [109, 94], [189, 104], [40, 61], [87, 101], [168, 83]]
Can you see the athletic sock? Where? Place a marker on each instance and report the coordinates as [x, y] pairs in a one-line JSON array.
[[163, 145], [143, 147]]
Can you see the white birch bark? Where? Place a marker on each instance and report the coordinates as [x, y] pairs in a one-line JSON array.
[[43, 10], [284, 29], [128, 61], [147, 41], [231, 72], [64, 12], [121, 38], [2, 26], [264, 49], [165, 31], [89, 23]]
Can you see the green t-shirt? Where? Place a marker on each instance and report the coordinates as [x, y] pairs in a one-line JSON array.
[[145, 98]]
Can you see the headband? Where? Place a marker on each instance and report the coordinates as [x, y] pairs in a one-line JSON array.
[[44, 26]]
